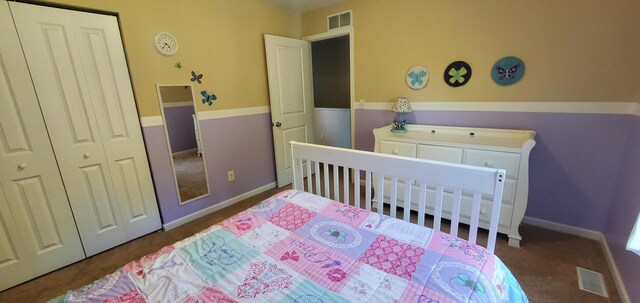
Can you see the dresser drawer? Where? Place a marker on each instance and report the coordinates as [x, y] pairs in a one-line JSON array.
[[440, 153], [508, 193], [508, 161], [397, 148]]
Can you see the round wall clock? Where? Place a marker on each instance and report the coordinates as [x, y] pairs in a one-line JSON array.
[[165, 43]]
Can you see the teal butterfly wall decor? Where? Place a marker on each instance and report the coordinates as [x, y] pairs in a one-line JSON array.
[[208, 98], [417, 77]]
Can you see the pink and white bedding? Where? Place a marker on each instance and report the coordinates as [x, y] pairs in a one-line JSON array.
[[299, 247]]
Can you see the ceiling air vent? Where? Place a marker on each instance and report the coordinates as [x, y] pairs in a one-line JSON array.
[[339, 20]]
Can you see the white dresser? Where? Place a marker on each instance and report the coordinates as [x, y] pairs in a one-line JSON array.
[[497, 148]]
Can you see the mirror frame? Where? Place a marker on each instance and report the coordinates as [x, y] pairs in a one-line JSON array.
[[166, 133]]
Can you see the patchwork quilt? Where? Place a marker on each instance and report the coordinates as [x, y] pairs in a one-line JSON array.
[[299, 247]]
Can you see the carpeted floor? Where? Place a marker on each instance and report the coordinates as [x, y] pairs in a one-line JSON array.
[[545, 265], [192, 181]]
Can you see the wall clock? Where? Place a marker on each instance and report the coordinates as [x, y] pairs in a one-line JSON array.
[[165, 43]]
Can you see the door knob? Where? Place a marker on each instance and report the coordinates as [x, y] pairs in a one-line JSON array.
[[22, 166], [278, 124], [86, 155]]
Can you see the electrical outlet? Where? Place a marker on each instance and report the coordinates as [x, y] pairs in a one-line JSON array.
[[231, 175]]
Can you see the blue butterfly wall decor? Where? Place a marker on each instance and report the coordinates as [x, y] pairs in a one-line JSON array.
[[507, 70], [417, 77], [196, 77], [208, 98]]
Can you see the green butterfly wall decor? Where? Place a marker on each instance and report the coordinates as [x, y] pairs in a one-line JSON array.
[[457, 74]]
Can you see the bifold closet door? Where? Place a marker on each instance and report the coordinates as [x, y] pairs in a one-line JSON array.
[[80, 74], [37, 229]]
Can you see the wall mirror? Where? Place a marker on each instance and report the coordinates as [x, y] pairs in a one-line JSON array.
[[182, 128]]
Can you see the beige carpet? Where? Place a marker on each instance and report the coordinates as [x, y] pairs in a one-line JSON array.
[[191, 177], [545, 266]]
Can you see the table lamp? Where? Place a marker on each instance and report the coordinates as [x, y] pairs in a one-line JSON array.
[[401, 107]]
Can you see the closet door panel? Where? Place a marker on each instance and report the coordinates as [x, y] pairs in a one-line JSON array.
[[96, 189], [105, 67], [49, 42], [13, 268], [37, 229]]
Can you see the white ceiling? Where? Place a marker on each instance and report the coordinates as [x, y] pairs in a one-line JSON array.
[[301, 6]]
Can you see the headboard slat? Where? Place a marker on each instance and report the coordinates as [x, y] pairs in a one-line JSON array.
[[345, 186], [422, 204], [475, 216], [367, 190], [455, 212], [407, 200]]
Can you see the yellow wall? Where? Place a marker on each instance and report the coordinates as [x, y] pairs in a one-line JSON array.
[[223, 39], [574, 50]]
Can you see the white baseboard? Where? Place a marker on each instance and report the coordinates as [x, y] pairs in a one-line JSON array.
[[622, 290], [175, 223], [577, 231], [589, 234]]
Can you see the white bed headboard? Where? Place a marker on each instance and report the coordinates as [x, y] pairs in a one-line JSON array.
[[427, 175]]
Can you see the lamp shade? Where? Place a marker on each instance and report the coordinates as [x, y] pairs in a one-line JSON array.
[[402, 105]]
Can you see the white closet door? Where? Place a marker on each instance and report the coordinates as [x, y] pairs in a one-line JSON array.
[[37, 229], [105, 68], [85, 105]]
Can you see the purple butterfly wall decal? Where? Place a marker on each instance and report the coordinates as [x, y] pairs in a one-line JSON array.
[[196, 77]]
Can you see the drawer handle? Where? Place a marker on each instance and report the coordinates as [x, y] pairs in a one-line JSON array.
[[483, 211], [395, 151], [488, 164], [22, 166], [86, 155]]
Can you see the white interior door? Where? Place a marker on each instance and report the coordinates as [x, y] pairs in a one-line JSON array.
[[291, 98], [37, 229], [85, 95]]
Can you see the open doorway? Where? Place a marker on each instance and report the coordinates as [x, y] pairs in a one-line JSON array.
[[289, 69], [332, 91]]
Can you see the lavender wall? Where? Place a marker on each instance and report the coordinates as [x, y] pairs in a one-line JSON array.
[[243, 144], [180, 126], [625, 207], [584, 169], [573, 167]]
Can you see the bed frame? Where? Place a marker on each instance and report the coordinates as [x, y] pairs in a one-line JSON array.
[[429, 176]]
